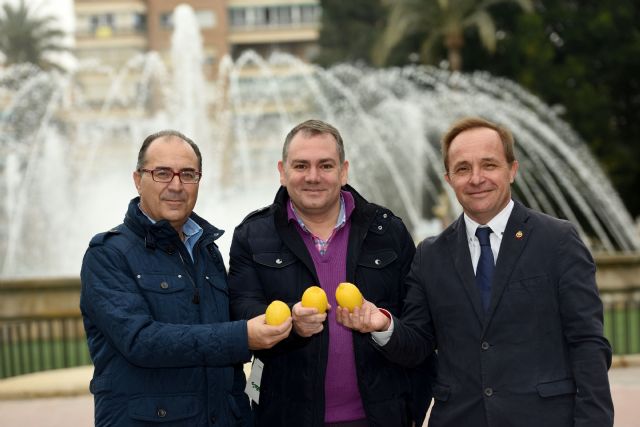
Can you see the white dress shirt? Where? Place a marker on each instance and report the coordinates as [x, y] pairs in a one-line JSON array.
[[498, 224]]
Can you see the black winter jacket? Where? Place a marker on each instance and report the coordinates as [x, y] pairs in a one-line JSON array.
[[269, 261]]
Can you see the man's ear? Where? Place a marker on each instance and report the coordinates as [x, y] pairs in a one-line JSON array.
[[446, 178], [281, 171], [344, 173], [514, 170], [136, 180]]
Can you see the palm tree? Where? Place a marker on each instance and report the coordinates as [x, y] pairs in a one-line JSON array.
[[440, 20], [26, 38]]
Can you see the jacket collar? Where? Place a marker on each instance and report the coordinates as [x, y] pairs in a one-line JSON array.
[[362, 217], [362, 211], [514, 240], [162, 234]]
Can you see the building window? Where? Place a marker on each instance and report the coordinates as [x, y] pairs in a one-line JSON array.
[[274, 16], [102, 25], [257, 16], [140, 22], [310, 14], [238, 17], [166, 20], [206, 18], [281, 16]]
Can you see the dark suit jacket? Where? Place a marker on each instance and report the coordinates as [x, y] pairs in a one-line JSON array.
[[538, 357]]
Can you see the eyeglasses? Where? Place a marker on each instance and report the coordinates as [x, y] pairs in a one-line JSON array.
[[186, 176]]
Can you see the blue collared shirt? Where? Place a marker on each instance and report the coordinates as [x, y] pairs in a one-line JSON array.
[[191, 230]]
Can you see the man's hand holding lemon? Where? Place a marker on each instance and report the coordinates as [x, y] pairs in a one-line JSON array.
[[357, 313], [268, 329], [366, 318], [310, 313]]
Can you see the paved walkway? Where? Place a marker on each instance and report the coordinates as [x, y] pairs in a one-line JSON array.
[[61, 398]]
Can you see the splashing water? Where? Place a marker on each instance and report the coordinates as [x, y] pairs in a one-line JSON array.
[[66, 163]]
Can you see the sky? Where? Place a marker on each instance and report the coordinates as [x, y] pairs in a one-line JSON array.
[[62, 10]]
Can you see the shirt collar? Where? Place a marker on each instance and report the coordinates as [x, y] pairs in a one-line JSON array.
[[498, 223], [190, 228], [347, 205]]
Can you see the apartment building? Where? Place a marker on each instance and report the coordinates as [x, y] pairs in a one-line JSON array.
[[113, 31]]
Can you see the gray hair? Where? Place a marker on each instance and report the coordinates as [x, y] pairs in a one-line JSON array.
[[311, 128], [162, 134]]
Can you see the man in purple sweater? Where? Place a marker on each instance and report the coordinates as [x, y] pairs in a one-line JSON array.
[[320, 231]]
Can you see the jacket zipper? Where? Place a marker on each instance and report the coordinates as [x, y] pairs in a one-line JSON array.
[[196, 291]]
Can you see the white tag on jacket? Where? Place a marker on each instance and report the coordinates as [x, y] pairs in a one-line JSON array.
[[253, 382]]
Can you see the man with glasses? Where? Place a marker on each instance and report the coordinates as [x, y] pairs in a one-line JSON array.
[[155, 305]]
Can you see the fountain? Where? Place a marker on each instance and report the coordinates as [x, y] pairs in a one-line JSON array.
[[66, 163]]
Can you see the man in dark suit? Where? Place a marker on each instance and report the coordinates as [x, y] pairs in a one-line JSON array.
[[513, 310]]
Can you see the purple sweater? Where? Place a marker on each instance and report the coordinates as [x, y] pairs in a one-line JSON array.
[[342, 397]]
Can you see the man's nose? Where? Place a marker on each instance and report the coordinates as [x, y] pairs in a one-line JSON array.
[[476, 176], [312, 174]]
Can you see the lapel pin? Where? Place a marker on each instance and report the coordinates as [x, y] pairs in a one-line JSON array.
[[519, 234]]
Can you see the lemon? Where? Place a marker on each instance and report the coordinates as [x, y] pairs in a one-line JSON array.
[[315, 297], [277, 312], [348, 296]]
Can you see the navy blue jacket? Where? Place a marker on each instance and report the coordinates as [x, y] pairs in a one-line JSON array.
[[158, 328], [269, 261]]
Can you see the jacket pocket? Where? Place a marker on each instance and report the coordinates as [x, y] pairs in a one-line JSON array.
[[556, 388], [163, 408], [218, 283], [100, 384], [440, 392], [529, 284], [274, 259], [377, 259], [170, 297], [162, 283]]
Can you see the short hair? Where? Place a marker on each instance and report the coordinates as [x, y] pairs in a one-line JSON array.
[[163, 134], [311, 128], [468, 123]]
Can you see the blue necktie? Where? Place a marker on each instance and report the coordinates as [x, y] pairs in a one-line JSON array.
[[484, 271]]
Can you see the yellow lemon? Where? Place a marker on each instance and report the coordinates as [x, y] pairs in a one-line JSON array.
[[348, 296], [277, 312], [315, 297]]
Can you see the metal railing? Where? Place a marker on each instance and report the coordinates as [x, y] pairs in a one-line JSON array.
[[622, 320], [39, 343]]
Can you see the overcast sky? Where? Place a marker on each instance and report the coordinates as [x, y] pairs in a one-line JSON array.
[[62, 9]]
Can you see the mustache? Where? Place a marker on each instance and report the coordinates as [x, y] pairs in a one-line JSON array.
[[173, 197]]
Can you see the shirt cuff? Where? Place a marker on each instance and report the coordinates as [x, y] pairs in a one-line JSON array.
[[382, 338]]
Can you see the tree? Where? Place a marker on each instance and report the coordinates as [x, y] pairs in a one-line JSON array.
[[25, 38], [584, 58], [435, 21], [349, 30]]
